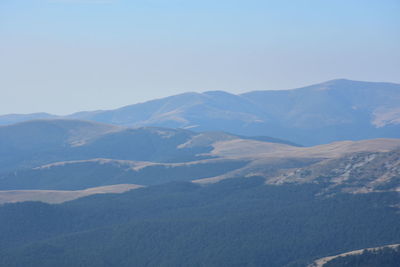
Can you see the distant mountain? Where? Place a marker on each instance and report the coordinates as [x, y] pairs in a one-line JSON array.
[[321, 113], [334, 110]]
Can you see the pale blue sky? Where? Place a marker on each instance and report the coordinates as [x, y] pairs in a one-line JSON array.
[[62, 56]]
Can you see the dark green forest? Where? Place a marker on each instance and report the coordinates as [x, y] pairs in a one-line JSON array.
[[237, 222]]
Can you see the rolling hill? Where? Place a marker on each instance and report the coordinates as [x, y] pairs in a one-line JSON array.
[[38, 142]]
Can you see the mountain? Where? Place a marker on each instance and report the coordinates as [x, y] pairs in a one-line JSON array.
[[334, 110], [322, 113]]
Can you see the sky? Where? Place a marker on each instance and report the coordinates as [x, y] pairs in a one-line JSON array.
[[63, 56]]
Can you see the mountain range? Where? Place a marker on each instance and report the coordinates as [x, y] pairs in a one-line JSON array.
[[317, 114], [271, 178]]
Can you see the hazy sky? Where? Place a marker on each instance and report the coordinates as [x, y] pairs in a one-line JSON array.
[[62, 56]]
